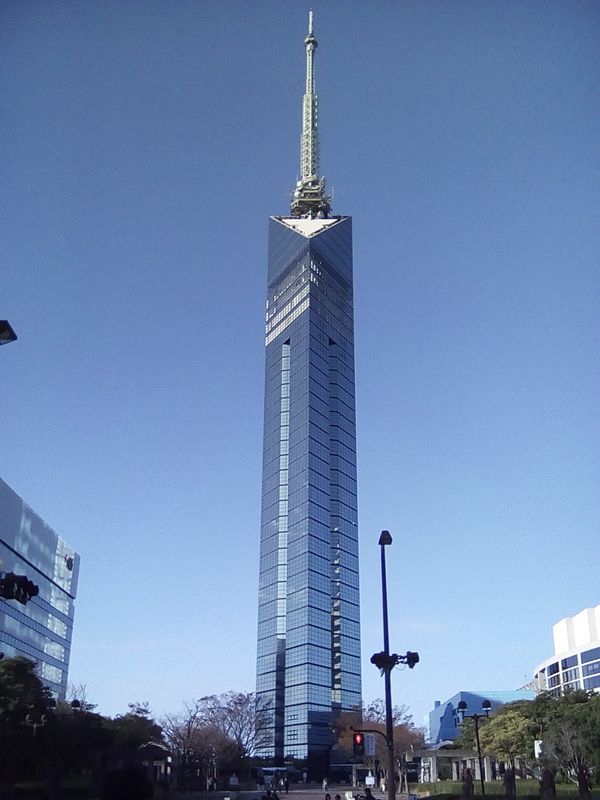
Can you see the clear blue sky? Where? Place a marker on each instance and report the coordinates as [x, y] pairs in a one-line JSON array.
[[145, 144]]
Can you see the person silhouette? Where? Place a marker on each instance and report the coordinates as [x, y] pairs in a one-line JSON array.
[[468, 788]]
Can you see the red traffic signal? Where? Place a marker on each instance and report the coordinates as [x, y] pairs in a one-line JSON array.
[[358, 744]]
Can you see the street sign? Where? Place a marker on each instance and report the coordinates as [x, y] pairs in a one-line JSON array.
[[369, 744]]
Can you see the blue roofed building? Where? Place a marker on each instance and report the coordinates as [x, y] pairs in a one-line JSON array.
[[443, 722]]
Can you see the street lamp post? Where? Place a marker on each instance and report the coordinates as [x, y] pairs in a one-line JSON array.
[[486, 706], [385, 662], [386, 539]]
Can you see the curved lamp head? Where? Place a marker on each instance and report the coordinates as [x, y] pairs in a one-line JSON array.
[[462, 706], [385, 538], [486, 705]]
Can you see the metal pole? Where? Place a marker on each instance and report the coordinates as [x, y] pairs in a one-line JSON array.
[[476, 718], [389, 725]]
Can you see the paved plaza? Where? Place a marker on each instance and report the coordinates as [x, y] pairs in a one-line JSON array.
[[298, 791]]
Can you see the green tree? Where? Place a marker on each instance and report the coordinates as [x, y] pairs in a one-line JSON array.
[[77, 740], [507, 735], [71, 739], [466, 739], [23, 700], [569, 727], [132, 730]]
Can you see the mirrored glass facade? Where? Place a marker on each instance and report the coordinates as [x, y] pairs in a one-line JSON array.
[[308, 658], [42, 629]]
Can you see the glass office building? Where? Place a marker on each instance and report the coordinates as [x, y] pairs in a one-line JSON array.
[[308, 659], [42, 629]]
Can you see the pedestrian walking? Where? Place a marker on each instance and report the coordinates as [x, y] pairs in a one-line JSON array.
[[510, 785], [468, 788]]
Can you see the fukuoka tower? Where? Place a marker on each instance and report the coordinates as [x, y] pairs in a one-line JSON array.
[[308, 655]]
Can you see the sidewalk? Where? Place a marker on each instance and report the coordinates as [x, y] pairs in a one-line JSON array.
[[298, 791]]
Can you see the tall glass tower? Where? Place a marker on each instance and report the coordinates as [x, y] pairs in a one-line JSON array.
[[308, 664]]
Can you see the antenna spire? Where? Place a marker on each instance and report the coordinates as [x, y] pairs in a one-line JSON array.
[[309, 199]]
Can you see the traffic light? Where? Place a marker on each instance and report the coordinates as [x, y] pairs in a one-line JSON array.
[[8, 585], [358, 744], [26, 589], [17, 587]]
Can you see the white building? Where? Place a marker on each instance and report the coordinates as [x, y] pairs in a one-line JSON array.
[[576, 660]]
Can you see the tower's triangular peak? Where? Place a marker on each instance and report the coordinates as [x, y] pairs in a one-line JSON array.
[[309, 226], [309, 198]]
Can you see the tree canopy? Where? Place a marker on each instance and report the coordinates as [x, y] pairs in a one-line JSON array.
[[568, 727], [216, 732], [507, 734]]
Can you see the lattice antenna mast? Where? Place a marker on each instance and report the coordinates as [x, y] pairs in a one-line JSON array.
[[309, 140], [309, 198]]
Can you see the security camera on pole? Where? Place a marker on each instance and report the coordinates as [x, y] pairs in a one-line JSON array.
[[386, 661]]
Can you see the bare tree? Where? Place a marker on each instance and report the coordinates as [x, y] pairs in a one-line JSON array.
[[215, 751], [182, 733], [79, 692], [204, 738], [241, 718], [375, 712]]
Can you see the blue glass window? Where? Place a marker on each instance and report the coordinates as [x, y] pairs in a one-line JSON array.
[[590, 655]]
